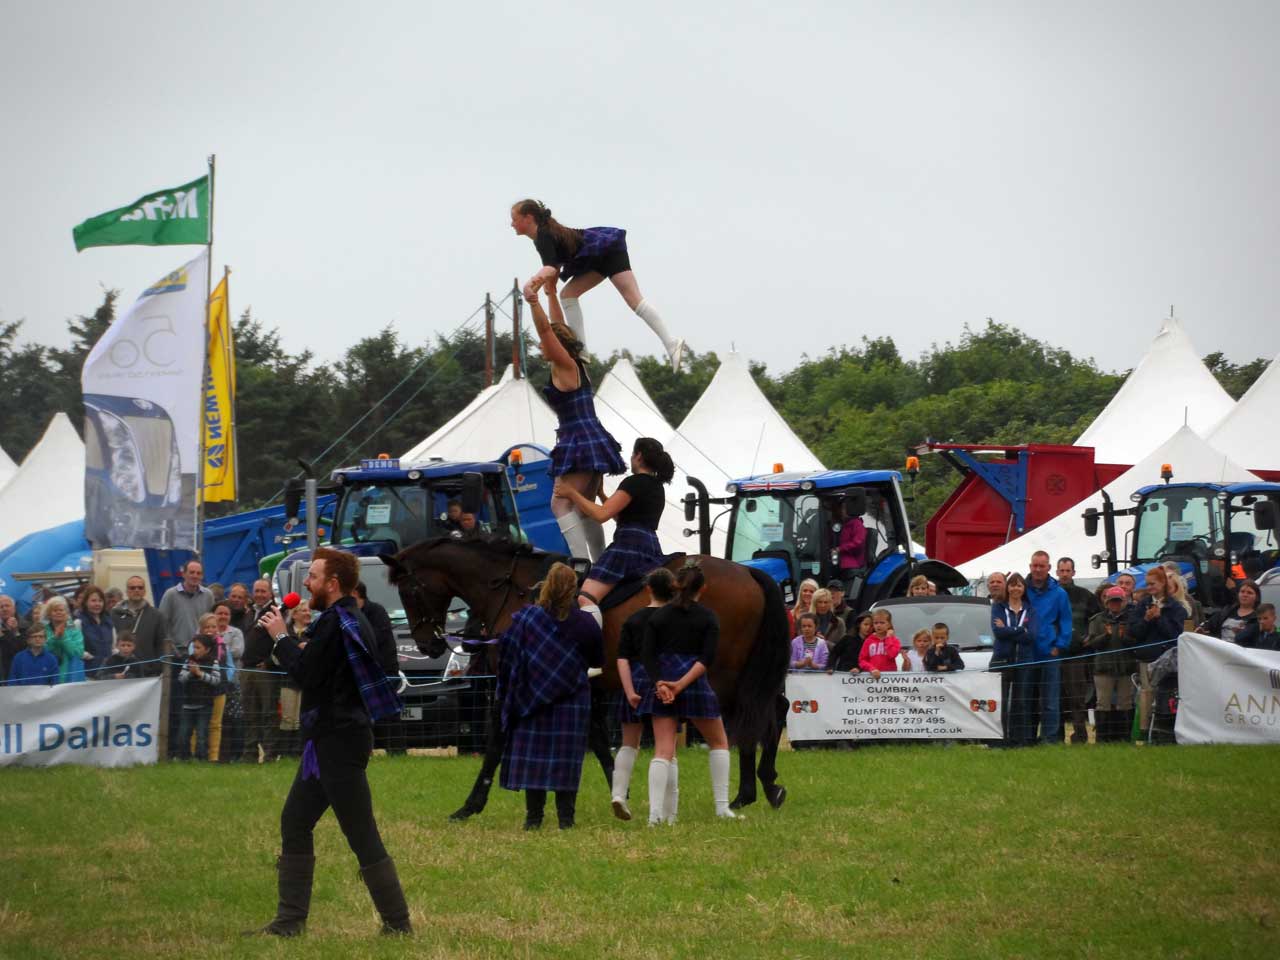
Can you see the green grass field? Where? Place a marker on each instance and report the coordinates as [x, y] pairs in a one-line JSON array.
[[898, 851]]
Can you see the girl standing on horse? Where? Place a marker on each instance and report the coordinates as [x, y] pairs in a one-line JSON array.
[[680, 643], [584, 449], [583, 258], [545, 696], [637, 507], [661, 585]]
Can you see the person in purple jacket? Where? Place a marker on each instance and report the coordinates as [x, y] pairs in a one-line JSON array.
[[808, 650]]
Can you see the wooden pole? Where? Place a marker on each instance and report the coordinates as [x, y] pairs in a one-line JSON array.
[[515, 328], [488, 340]]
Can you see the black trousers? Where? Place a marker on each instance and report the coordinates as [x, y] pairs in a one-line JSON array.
[[343, 758]]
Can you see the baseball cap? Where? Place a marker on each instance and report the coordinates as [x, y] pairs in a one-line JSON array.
[[1114, 593], [836, 585]]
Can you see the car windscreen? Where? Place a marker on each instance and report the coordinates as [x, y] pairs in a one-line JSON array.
[[969, 623]]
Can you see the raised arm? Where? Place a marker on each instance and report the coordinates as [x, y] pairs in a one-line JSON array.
[[564, 369]]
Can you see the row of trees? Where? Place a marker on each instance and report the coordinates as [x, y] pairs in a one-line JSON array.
[[858, 406]]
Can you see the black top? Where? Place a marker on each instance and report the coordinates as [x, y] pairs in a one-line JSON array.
[[123, 664], [692, 631], [258, 643], [632, 640], [647, 500], [844, 655], [552, 251], [321, 670], [948, 657], [386, 652]]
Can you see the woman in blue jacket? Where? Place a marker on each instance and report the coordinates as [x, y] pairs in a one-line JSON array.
[[97, 629], [1013, 624]]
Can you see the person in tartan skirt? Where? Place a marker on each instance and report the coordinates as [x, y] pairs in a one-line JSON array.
[[344, 691], [637, 507], [583, 258], [661, 586], [584, 449], [679, 648], [546, 698]]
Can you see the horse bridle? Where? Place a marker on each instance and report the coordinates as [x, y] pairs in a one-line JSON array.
[[419, 593]]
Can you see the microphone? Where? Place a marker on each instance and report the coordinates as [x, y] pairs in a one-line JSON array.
[[290, 600]]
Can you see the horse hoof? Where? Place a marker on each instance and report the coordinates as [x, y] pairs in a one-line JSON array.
[[776, 796], [462, 813], [738, 802]]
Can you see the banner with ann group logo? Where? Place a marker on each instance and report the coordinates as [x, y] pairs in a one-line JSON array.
[[1226, 694], [899, 706], [99, 723]]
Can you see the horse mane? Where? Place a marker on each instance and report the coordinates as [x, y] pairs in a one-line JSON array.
[[499, 546]]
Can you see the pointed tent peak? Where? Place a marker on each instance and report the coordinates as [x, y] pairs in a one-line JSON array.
[[48, 489], [622, 386], [1192, 458], [1241, 432], [1169, 387], [501, 416], [508, 374]]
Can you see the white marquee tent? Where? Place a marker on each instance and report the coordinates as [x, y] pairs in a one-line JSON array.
[[7, 468], [1169, 387], [48, 489], [1248, 432], [1063, 536], [500, 416]]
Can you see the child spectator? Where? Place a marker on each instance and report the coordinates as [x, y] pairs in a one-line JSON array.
[[918, 587], [881, 649], [123, 664], [1112, 667], [1264, 636], [921, 642], [808, 650], [843, 657], [942, 657], [34, 665], [201, 679]]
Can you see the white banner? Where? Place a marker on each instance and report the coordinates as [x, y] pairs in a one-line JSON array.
[[899, 706], [100, 723], [1226, 694], [143, 390]]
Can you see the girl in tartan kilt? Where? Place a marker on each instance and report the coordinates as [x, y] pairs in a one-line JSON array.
[[637, 507], [584, 449], [546, 698], [661, 585], [583, 258], [679, 648]]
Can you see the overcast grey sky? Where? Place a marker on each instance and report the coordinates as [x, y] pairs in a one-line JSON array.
[[790, 175]]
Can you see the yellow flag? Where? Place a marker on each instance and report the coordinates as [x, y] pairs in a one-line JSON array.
[[219, 403]]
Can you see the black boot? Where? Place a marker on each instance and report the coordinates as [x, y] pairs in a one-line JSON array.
[[295, 874], [566, 807], [388, 896], [534, 803]]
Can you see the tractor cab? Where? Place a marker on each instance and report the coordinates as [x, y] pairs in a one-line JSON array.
[[789, 525], [1218, 534]]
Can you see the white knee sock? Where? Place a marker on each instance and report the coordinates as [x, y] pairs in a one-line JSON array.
[[623, 764], [573, 317], [592, 609], [575, 537], [672, 803], [659, 771], [595, 537], [646, 312], [719, 760]]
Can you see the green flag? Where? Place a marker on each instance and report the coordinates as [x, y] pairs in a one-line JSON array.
[[179, 215]]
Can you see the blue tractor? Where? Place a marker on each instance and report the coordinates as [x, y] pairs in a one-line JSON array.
[[1217, 533], [788, 525]]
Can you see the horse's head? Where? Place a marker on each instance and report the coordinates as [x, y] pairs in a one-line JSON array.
[[425, 595]]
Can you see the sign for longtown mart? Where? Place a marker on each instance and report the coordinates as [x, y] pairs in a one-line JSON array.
[[1227, 694], [103, 723], [899, 706]]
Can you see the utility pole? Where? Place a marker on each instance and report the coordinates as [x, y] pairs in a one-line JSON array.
[[488, 340]]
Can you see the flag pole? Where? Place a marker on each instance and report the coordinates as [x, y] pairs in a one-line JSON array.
[[204, 366]]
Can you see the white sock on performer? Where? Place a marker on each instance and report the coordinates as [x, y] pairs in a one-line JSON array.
[[573, 317], [649, 314], [623, 764], [575, 537], [595, 537], [672, 803], [719, 760], [659, 771]]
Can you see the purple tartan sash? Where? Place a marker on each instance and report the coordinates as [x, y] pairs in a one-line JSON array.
[[541, 665]]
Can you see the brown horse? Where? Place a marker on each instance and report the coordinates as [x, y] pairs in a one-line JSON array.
[[495, 577]]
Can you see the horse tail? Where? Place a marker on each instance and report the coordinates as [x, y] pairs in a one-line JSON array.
[[754, 718]]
